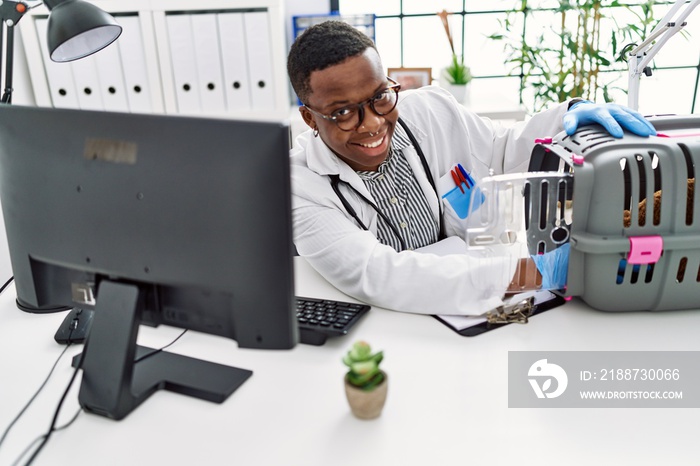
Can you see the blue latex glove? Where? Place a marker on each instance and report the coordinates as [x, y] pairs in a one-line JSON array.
[[612, 117], [553, 266]]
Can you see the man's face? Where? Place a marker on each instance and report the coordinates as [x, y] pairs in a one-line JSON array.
[[353, 81]]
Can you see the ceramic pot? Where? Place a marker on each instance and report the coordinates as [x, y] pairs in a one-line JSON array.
[[367, 404], [461, 92]]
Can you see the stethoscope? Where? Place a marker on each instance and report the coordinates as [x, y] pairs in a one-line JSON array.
[[335, 181]]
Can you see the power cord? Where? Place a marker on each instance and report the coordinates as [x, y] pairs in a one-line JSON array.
[[45, 437], [41, 437], [6, 284], [31, 400], [148, 355], [52, 428]]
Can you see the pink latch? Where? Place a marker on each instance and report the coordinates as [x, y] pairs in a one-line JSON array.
[[686, 135], [577, 159], [543, 141], [645, 249]]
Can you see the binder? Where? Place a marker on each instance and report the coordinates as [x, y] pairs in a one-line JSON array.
[[111, 79], [234, 59], [133, 62], [209, 73], [257, 33], [184, 60], [59, 75], [87, 84]]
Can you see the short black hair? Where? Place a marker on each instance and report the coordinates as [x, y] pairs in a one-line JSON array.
[[320, 46]]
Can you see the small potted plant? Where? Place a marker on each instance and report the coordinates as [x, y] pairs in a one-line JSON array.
[[457, 75], [365, 383]]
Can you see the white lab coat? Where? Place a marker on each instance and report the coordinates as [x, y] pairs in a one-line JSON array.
[[355, 262]]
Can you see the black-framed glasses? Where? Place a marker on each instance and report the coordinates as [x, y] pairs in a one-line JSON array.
[[350, 117]]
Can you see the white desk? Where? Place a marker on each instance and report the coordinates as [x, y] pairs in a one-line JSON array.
[[447, 401]]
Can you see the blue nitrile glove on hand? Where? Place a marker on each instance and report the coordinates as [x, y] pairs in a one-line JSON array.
[[612, 117], [553, 267]]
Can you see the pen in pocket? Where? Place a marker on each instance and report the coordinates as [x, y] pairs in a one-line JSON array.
[[457, 179], [467, 177]]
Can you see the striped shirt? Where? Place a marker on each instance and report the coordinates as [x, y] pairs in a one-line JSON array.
[[398, 196]]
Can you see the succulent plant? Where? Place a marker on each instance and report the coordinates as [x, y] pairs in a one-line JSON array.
[[364, 370]]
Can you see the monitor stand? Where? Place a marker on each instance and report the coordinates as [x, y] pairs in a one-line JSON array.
[[116, 376]]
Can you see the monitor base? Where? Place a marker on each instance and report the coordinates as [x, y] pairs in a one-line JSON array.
[[22, 306], [119, 375]]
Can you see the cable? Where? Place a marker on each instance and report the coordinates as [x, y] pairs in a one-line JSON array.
[[7, 283], [45, 437], [26, 450], [145, 356], [53, 428], [31, 400], [622, 57], [41, 437]]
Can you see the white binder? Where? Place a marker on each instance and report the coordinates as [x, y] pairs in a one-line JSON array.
[[184, 61], [111, 78], [87, 83], [133, 62], [258, 42], [209, 73], [234, 57], [59, 75]]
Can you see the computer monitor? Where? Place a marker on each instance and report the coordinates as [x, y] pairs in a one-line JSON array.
[[151, 219]]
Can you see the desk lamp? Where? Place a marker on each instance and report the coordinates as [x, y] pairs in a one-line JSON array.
[[641, 55], [76, 29]]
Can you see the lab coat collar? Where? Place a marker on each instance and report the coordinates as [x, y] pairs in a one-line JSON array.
[[400, 140], [322, 160]]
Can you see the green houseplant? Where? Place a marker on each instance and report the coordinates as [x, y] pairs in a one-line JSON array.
[[456, 75], [457, 72], [581, 54], [365, 384]]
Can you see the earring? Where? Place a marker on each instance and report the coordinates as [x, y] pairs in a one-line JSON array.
[[315, 132]]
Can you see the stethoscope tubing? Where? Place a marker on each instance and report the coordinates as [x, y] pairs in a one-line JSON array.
[[335, 181]]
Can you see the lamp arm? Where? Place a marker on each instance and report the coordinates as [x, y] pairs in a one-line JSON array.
[[10, 13], [9, 59], [641, 56], [667, 18], [648, 54]]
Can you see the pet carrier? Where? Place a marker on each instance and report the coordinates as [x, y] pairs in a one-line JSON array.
[[634, 229]]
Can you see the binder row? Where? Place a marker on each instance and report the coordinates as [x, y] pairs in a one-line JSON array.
[[103, 81], [220, 63]]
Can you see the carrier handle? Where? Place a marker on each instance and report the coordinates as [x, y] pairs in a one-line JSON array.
[[598, 244]]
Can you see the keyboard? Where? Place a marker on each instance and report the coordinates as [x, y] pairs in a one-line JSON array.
[[322, 318]]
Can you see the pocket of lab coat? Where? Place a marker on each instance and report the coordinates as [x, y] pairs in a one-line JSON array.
[[456, 202]]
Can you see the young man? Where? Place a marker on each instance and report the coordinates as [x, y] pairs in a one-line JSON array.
[[367, 178]]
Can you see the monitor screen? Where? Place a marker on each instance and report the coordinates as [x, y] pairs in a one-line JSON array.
[[150, 219]]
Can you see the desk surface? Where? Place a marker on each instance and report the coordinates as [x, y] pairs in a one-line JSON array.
[[447, 403]]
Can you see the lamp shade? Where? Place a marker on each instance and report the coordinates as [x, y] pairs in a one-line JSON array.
[[77, 29]]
